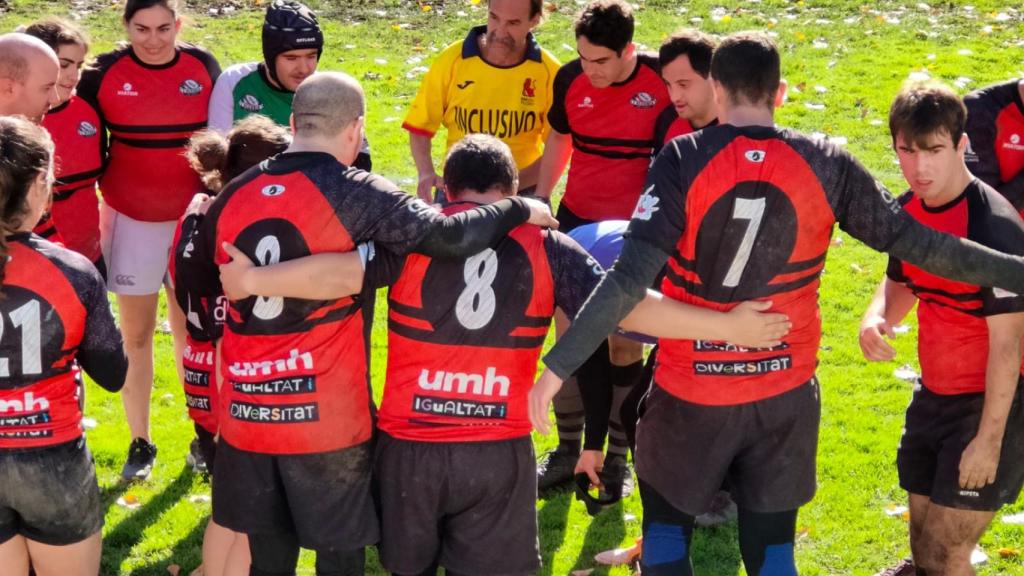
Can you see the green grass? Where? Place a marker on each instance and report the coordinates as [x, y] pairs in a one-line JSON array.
[[858, 53]]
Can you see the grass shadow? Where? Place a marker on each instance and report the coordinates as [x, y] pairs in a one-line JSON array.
[[552, 521], [118, 543], [186, 553], [606, 531], [716, 550]]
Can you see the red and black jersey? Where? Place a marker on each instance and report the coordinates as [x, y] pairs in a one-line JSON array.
[[995, 126], [295, 371], [204, 321], [612, 136], [150, 112], [667, 126], [951, 315], [46, 229], [54, 313], [746, 213], [465, 334], [79, 142]]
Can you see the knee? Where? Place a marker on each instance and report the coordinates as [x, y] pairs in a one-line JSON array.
[[623, 352]]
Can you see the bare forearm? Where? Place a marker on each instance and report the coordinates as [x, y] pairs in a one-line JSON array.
[[1002, 376], [892, 301], [419, 145], [557, 151], [529, 175], [661, 317], [318, 277]]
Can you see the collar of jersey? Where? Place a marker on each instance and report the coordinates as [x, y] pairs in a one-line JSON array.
[[286, 162], [164, 66], [960, 198], [471, 48]]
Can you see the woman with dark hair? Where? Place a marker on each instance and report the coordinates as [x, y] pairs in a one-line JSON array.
[[79, 139], [217, 159], [152, 94], [55, 303]]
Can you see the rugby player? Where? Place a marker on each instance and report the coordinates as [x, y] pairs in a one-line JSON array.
[[685, 61], [292, 46], [151, 95], [995, 127], [78, 135], [961, 456], [28, 76], [50, 511], [759, 228], [293, 464], [497, 81], [463, 343]]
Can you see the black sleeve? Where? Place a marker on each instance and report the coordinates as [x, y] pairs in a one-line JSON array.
[[101, 352], [1001, 230], [558, 118], [621, 289], [662, 124], [383, 267], [597, 393], [207, 58], [88, 90], [574, 272], [466, 233], [195, 270], [894, 270]]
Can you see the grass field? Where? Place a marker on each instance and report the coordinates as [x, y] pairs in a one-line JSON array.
[[844, 61]]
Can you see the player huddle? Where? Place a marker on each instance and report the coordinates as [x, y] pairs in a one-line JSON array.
[[272, 236]]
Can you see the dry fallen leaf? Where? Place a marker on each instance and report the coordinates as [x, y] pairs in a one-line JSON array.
[[1008, 552], [174, 569]]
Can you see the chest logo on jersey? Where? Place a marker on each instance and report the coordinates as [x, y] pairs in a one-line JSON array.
[[1014, 143], [190, 88], [643, 100], [250, 103], [647, 205], [86, 129], [755, 156], [529, 88], [127, 90], [272, 190], [586, 103]]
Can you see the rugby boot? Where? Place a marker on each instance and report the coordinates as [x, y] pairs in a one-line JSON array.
[[195, 458], [555, 470], [141, 456], [904, 568]]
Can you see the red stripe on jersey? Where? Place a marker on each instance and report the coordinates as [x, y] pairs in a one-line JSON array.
[[297, 391], [45, 412], [468, 383], [418, 323], [770, 186], [148, 106]]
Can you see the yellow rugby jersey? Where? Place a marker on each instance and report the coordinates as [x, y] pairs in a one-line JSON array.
[[467, 95]]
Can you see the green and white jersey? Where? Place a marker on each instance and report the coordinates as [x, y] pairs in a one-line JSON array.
[[244, 89]]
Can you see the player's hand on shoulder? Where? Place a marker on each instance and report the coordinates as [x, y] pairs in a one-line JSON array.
[[873, 330], [752, 326], [200, 204], [540, 213], [590, 463], [539, 400], [233, 274]]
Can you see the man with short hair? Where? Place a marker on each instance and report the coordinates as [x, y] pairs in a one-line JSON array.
[[606, 105], [293, 465], [292, 46], [995, 126], [497, 81], [28, 76], [685, 61], [960, 457], [748, 217]]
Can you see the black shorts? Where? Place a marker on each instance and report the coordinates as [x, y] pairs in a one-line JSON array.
[[49, 495], [207, 445], [568, 220], [324, 499], [764, 450], [937, 431], [469, 507]]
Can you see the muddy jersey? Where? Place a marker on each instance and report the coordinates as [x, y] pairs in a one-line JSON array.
[[951, 315], [460, 365], [612, 136], [55, 318], [204, 322], [79, 140], [995, 126], [467, 95], [295, 371], [746, 213], [150, 111]]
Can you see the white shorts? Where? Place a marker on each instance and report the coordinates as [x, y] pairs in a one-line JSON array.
[[136, 252]]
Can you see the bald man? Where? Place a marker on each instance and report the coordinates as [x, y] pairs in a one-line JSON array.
[[28, 76], [295, 452]]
